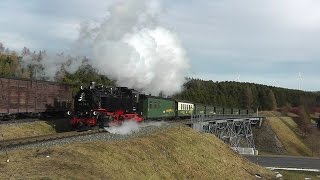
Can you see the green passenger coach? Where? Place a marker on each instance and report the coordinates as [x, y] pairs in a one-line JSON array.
[[158, 108], [210, 110], [199, 109]]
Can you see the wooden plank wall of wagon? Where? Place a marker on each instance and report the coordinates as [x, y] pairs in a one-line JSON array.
[[41, 96], [21, 95], [15, 96], [4, 95], [52, 96], [65, 96], [59, 96], [23, 87], [31, 102]]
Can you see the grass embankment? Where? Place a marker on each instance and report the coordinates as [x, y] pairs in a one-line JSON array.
[[175, 153], [21, 130], [287, 132]]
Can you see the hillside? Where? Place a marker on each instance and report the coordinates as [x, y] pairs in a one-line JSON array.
[[280, 135], [175, 153]]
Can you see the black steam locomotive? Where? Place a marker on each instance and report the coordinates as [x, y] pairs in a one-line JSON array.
[[100, 105]]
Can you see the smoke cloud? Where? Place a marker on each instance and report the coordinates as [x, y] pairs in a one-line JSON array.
[[132, 48]]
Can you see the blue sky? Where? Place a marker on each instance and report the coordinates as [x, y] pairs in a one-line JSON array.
[[266, 41]]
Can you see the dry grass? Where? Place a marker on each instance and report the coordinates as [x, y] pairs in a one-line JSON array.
[[270, 113], [20, 130], [291, 124], [290, 140], [176, 153]]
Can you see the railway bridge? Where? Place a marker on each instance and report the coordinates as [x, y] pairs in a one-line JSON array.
[[233, 130]]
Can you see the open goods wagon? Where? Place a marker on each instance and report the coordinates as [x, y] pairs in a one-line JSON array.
[[25, 97]]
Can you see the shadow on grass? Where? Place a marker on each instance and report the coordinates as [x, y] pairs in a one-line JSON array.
[[60, 125]]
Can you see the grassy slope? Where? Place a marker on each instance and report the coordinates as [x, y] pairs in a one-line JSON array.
[[20, 130], [176, 153], [287, 132]]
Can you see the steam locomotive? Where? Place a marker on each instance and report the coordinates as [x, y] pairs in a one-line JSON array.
[[97, 105], [100, 105]]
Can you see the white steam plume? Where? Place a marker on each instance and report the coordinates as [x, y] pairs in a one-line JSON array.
[[129, 127], [131, 48]]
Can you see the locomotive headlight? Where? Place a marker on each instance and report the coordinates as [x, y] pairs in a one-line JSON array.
[[69, 113], [95, 113]]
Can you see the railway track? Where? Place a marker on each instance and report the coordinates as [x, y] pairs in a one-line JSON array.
[[31, 140]]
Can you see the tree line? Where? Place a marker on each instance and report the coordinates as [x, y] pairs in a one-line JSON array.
[[246, 95], [27, 64]]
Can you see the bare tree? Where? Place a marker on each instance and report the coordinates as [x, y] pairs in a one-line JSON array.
[[26, 51]]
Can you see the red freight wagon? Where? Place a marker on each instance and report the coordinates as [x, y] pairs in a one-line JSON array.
[[33, 97]]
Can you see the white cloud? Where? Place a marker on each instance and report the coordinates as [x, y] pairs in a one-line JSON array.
[[302, 15], [65, 30], [15, 40]]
